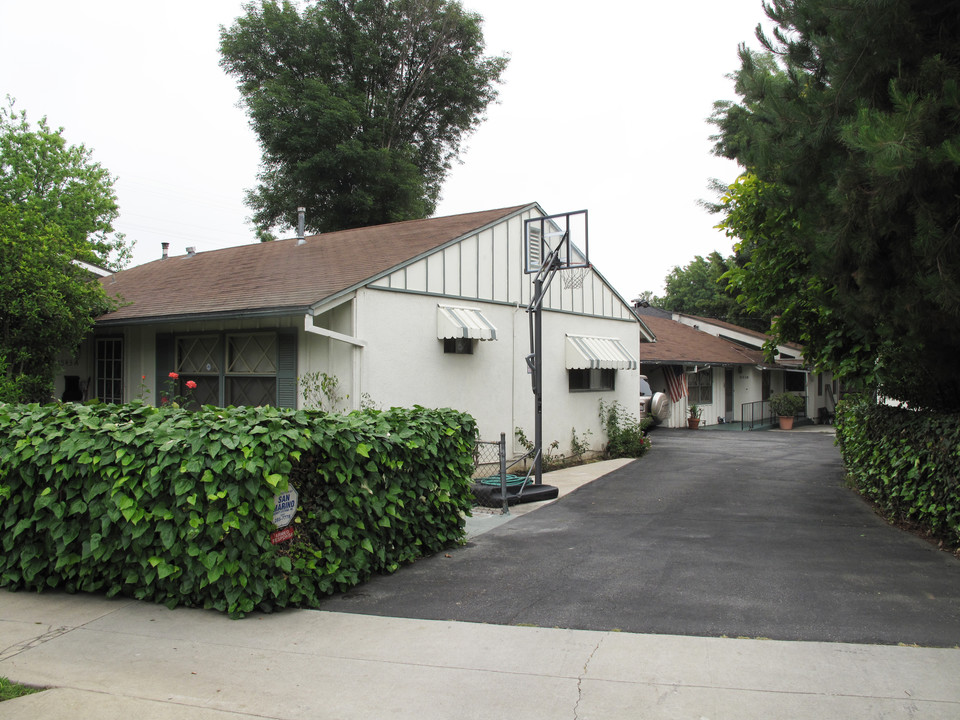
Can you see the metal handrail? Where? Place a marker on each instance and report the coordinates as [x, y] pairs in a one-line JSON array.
[[758, 410], [761, 408]]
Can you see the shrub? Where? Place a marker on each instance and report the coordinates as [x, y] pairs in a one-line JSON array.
[[626, 436], [907, 462], [551, 458], [177, 507], [786, 404]]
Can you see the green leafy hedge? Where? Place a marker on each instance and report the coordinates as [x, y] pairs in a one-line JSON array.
[[177, 507], [905, 461]]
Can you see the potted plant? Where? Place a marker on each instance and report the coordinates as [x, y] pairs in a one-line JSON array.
[[784, 406], [693, 417]]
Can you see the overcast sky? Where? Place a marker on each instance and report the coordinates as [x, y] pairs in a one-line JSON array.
[[603, 107]]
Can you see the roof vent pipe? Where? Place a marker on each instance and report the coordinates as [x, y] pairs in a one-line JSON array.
[[191, 251], [164, 247], [301, 222]]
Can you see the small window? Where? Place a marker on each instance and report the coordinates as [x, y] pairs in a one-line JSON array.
[[795, 381], [700, 387], [458, 346], [588, 379]]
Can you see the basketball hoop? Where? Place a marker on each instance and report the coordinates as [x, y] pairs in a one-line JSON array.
[[573, 277]]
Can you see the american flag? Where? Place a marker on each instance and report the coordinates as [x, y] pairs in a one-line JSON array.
[[676, 381]]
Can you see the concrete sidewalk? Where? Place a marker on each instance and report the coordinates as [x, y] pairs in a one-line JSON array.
[[122, 658]]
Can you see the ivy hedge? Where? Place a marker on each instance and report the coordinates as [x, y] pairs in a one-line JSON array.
[[907, 462], [175, 506]]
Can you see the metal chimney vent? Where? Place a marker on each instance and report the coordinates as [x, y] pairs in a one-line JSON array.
[[164, 247], [191, 251], [301, 223]]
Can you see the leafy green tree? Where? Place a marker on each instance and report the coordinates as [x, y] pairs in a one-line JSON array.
[[56, 208], [700, 288], [360, 105], [772, 273], [849, 126]]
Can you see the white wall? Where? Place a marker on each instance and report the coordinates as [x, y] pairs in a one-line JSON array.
[[404, 364], [565, 411]]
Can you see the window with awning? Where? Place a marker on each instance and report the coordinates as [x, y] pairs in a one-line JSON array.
[[463, 322], [585, 352]]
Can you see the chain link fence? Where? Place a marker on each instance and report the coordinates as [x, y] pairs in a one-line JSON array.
[[493, 487]]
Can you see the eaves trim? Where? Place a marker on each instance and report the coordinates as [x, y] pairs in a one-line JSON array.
[[194, 317]]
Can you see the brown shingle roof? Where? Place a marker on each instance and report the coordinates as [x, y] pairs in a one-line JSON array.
[[678, 343], [281, 275], [761, 336]]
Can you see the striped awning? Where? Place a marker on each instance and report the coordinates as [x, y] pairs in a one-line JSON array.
[[584, 351], [463, 322]]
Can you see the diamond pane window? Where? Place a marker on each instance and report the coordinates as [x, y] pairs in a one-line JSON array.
[[207, 391], [252, 369], [252, 354], [251, 391], [198, 355]]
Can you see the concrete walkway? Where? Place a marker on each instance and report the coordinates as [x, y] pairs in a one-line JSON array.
[[113, 659], [122, 658]]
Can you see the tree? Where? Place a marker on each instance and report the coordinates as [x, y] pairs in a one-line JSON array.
[[56, 208], [699, 288], [772, 273], [849, 129], [360, 105]]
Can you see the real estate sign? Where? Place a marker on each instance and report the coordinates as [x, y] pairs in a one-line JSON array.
[[285, 507]]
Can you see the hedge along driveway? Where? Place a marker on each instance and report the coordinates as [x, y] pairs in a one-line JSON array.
[[177, 507]]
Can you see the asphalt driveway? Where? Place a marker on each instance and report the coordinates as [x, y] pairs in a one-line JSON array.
[[711, 534]]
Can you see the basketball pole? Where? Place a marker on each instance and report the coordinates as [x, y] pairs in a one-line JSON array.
[[541, 284], [538, 384]]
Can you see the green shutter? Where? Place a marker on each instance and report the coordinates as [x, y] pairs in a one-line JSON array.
[[287, 370], [166, 363]]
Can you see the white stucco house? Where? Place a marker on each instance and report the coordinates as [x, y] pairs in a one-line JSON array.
[[725, 371], [428, 312]]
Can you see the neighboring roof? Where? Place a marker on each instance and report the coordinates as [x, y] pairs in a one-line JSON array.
[[95, 270], [280, 276], [761, 336], [679, 344]]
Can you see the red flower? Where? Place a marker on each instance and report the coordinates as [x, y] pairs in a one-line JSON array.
[[173, 375], [191, 384], [143, 377], [163, 401]]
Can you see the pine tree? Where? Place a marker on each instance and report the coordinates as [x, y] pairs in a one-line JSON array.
[[851, 120]]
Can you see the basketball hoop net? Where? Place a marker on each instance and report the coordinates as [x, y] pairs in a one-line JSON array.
[[573, 277]]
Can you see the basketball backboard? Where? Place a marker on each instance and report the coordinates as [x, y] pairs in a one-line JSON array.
[[565, 234]]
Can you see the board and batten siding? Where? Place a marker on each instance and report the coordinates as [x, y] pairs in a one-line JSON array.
[[488, 266]]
